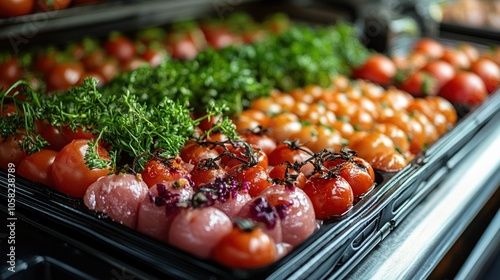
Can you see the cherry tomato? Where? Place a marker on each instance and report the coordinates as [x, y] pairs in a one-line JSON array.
[[11, 151], [256, 177], [133, 64], [64, 75], [120, 47], [37, 166], [93, 59], [287, 174], [218, 37], [193, 152], [356, 171], [51, 134], [250, 154], [203, 174], [8, 110], [457, 59], [107, 69], [157, 171], [181, 47], [71, 135], [489, 72], [378, 69], [429, 47], [153, 57], [69, 172], [289, 151], [14, 8], [440, 70], [260, 140], [470, 51], [329, 196], [465, 88], [11, 70], [420, 84], [245, 249], [390, 161]]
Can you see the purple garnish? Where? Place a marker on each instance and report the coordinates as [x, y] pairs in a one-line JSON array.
[[221, 190], [165, 197], [282, 209], [290, 187], [263, 212]]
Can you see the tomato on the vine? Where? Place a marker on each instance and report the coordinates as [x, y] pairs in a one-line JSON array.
[[70, 173], [256, 177], [356, 171], [37, 166], [329, 196]]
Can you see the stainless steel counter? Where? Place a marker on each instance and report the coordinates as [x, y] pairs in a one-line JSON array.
[[417, 244]]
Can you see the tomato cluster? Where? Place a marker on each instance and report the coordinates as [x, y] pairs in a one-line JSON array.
[[58, 69], [386, 127], [462, 74]]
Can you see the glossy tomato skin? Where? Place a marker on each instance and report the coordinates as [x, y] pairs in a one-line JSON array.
[[245, 249], [156, 171], [357, 172], [14, 8], [430, 47], [489, 72], [440, 70], [329, 196], [465, 88], [193, 152], [256, 177], [377, 68], [37, 166], [64, 75], [69, 172], [10, 70], [419, 84]]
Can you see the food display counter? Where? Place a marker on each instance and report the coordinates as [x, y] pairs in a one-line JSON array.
[[431, 216]]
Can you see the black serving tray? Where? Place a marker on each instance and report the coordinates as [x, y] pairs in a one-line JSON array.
[[61, 239]]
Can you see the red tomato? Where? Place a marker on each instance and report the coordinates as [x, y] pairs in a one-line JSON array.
[[218, 37], [37, 166], [157, 171], [288, 175], [429, 47], [356, 171], [440, 70], [378, 69], [69, 172], [259, 140], [465, 88], [64, 75], [470, 51], [51, 134], [256, 177], [8, 110], [420, 84], [10, 70], [93, 59], [457, 59], [489, 72], [133, 64], [291, 152], [120, 47], [181, 47], [329, 196], [245, 249], [153, 57], [11, 151], [249, 155], [107, 69], [203, 174], [14, 8], [193, 152]]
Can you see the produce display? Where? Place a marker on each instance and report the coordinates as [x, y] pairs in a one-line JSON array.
[[212, 140], [462, 75]]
